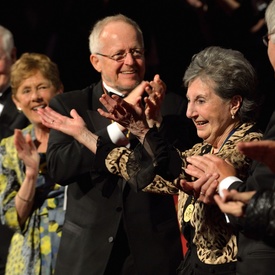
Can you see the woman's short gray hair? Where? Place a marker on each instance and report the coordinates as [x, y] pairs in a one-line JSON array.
[[229, 73]]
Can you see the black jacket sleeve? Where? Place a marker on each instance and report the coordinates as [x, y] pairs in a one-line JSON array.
[[260, 214], [155, 157], [260, 176]]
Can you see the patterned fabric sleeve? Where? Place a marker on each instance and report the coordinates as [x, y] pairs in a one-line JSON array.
[[141, 165], [137, 166]]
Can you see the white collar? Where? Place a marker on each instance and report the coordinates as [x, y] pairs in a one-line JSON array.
[[110, 89]]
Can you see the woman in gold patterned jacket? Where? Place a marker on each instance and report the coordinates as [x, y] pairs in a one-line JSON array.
[[221, 86]]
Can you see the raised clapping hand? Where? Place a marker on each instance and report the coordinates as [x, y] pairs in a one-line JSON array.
[[156, 93], [233, 202], [131, 113], [263, 151], [203, 188], [27, 151], [230, 202], [209, 171], [73, 126]]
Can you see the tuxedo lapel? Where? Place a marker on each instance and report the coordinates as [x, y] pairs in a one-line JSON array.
[[95, 121], [98, 124]]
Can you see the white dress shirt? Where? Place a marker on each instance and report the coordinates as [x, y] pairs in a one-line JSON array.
[[116, 135]]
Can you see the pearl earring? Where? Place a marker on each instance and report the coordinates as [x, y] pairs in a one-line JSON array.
[[19, 109]]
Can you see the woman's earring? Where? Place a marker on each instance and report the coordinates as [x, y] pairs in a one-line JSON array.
[[19, 109], [232, 115]]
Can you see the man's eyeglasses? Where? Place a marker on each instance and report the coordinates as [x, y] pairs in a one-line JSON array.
[[120, 56], [266, 38]]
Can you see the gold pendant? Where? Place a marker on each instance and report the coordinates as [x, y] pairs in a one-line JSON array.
[[188, 212]]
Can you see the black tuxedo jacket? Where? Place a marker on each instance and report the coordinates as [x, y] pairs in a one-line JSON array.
[[10, 118], [256, 256], [100, 203]]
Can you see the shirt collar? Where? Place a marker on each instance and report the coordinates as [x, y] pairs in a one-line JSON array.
[[112, 90]]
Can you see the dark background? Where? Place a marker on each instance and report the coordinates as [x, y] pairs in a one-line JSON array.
[[173, 32]]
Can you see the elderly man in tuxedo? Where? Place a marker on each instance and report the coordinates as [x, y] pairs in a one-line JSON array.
[[109, 228]]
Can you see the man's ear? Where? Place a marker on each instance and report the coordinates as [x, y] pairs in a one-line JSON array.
[[95, 61]]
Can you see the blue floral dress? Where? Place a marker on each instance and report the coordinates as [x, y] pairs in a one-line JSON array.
[[34, 247]]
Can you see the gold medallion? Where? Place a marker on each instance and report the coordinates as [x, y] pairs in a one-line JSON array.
[[188, 212]]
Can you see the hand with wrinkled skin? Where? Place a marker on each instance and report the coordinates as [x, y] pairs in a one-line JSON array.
[[130, 112], [128, 115], [211, 164], [263, 151], [155, 90], [203, 188], [73, 126], [156, 93], [232, 202]]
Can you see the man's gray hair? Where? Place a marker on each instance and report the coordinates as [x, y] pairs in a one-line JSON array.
[[94, 38], [7, 40]]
